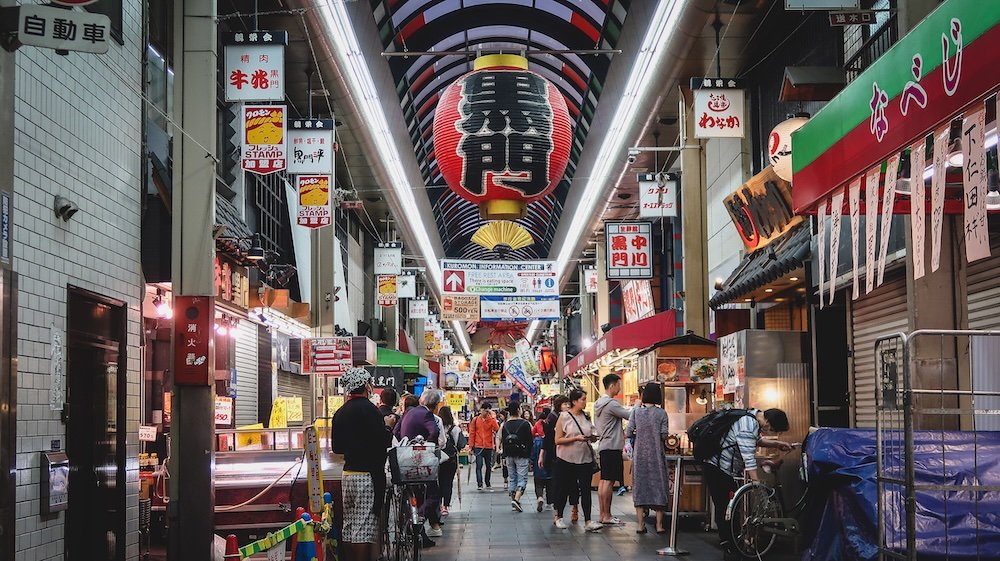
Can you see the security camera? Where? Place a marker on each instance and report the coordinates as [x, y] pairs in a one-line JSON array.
[[633, 154], [64, 208]]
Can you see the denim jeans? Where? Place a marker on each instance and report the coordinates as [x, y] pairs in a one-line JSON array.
[[483, 456], [518, 470]]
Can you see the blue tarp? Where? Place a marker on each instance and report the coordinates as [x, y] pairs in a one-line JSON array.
[[841, 517]]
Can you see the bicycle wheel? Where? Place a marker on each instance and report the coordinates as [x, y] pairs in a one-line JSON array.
[[388, 522], [749, 506], [407, 537]]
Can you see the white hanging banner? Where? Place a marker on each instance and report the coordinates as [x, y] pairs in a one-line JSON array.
[[418, 308], [871, 226], [406, 286], [590, 280], [310, 142], [888, 200], [836, 214], [937, 193], [918, 212], [977, 235], [255, 65], [821, 243], [389, 258], [854, 199]]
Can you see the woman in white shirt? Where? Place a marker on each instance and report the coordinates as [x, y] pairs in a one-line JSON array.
[[575, 459]]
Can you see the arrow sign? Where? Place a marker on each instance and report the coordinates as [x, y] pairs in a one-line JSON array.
[[454, 281]]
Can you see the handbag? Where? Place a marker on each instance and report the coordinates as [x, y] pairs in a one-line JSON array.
[[595, 466], [414, 463]]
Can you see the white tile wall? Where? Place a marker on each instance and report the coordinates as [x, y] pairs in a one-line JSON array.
[[727, 163], [77, 134]]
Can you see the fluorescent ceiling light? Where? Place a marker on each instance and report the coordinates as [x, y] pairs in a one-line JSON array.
[[532, 329], [462, 337], [351, 61], [663, 23]]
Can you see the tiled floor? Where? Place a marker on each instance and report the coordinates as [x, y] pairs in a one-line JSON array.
[[482, 527]]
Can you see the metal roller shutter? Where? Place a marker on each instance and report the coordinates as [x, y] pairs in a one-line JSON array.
[[246, 374], [880, 313], [983, 289], [295, 385]]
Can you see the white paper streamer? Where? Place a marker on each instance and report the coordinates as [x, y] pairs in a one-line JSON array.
[[836, 214], [821, 244], [918, 210], [977, 235], [871, 226], [888, 200], [937, 193], [854, 198]]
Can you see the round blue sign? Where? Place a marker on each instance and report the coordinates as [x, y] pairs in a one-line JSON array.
[[549, 283]]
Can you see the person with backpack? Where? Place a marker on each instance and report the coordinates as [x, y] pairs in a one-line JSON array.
[[517, 449], [455, 441], [726, 440]]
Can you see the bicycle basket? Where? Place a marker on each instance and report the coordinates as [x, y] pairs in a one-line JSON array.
[[414, 463]]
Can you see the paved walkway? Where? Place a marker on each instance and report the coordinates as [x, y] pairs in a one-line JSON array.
[[483, 527]]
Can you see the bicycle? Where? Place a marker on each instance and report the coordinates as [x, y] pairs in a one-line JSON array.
[[402, 533], [756, 514]]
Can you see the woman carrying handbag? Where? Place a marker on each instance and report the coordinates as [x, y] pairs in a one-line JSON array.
[[575, 460]]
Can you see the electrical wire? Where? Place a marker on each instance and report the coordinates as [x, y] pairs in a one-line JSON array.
[[252, 499], [726, 32], [779, 45]]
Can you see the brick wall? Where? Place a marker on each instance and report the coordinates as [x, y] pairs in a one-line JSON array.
[[77, 134]]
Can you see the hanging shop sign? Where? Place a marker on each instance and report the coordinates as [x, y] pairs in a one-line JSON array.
[[255, 65], [389, 258], [590, 280], [502, 136], [943, 66], [418, 308], [328, 356], [263, 138], [456, 400], [314, 201], [387, 291], [516, 278], [719, 110], [194, 322], [56, 28], [406, 285], [657, 195], [57, 368], [637, 299], [223, 411], [312, 146], [232, 283], [516, 374], [432, 343], [853, 17], [519, 308], [779, 145], [629, 252], [459, 307], [528, 362], [761, 209], [977, 235]]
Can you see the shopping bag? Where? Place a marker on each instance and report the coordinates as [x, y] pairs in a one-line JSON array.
[[414, 463]]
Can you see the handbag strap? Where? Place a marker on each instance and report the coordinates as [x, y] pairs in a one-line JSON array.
[[589, 447]]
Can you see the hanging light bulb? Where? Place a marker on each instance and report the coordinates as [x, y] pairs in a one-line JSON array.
[[162, 305], [220, 328], [702, 398], [233, 325]]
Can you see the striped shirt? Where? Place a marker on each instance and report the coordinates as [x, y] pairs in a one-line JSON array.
[[739, 447]]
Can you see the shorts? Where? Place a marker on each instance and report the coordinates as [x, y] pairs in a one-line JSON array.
[[612, 466], [360, 518]]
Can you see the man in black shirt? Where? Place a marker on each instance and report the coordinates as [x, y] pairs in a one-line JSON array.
[[516, 438], [362, 435]]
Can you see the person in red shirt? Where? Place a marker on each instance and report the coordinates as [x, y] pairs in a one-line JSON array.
[[482, 431], [542, 476]]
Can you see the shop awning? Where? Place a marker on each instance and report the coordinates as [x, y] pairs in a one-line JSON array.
[[636, 335], [388, 357], [766, 265]]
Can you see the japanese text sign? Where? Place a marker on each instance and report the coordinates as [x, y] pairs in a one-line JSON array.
[[858, 17], [761, 209], [519, 308], [255, 65], [314, 201], [418, 308], [406, 285], [590, 280], [329, 356], [719, 113], [516, 373], [657, 195], [264, 138], [637, 299], [460, 307], [387, 291], [389, 258], [311, 144], [223, 411], [521, 278], [629, 254], [194, 319], [56, 28]]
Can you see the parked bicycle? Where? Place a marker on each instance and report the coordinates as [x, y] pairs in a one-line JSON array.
[[757, 516], [411, 465]]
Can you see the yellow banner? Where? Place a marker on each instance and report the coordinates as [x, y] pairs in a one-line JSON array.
[[249, 440], [333, 403], [456, 400], [293, 406], [279, 414]]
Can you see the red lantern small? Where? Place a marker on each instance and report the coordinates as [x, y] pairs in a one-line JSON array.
[[502, 136]]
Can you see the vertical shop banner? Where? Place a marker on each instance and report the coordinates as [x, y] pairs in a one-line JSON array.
[[937, 193], [406, 285], [871, 226], [657, 195], [918, 210], [523, 348], [255, 65], [977, 235], [888, 200], [57, 368], [637, 299], [418, 308], [311, 144], [836, 214], [387, 291], [516, 373], [821, 245], [590, 280], [629, 251], [194, 322], [314, 201], [389, 258], [718, 108], [264, 149], [854, 204]]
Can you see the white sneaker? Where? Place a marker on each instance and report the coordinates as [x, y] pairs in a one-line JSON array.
[[435, 533], [592, 526], [561, 524]]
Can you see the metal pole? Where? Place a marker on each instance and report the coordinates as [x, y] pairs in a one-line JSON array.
[[191, 510], [911, 495], [672, 548]]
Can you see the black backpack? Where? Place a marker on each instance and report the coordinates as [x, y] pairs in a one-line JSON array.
[[513, 445], [450, 446], [707, 433]]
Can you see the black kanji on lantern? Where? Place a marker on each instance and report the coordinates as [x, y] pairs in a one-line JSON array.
[[506, 129]]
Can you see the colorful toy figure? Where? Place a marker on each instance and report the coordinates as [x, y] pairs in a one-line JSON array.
[[331, 539], [305, 547]]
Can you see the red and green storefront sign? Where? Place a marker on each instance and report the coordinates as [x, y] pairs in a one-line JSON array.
[[949, 62]]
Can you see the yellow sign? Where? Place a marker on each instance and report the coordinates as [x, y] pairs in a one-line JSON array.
[[387, 291], [333, 403], [548, 390], [249, 440], [461, 308], [293, 406], [279, 414], [456, 400]]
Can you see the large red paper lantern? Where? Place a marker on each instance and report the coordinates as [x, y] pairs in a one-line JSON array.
[[502, 136]]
